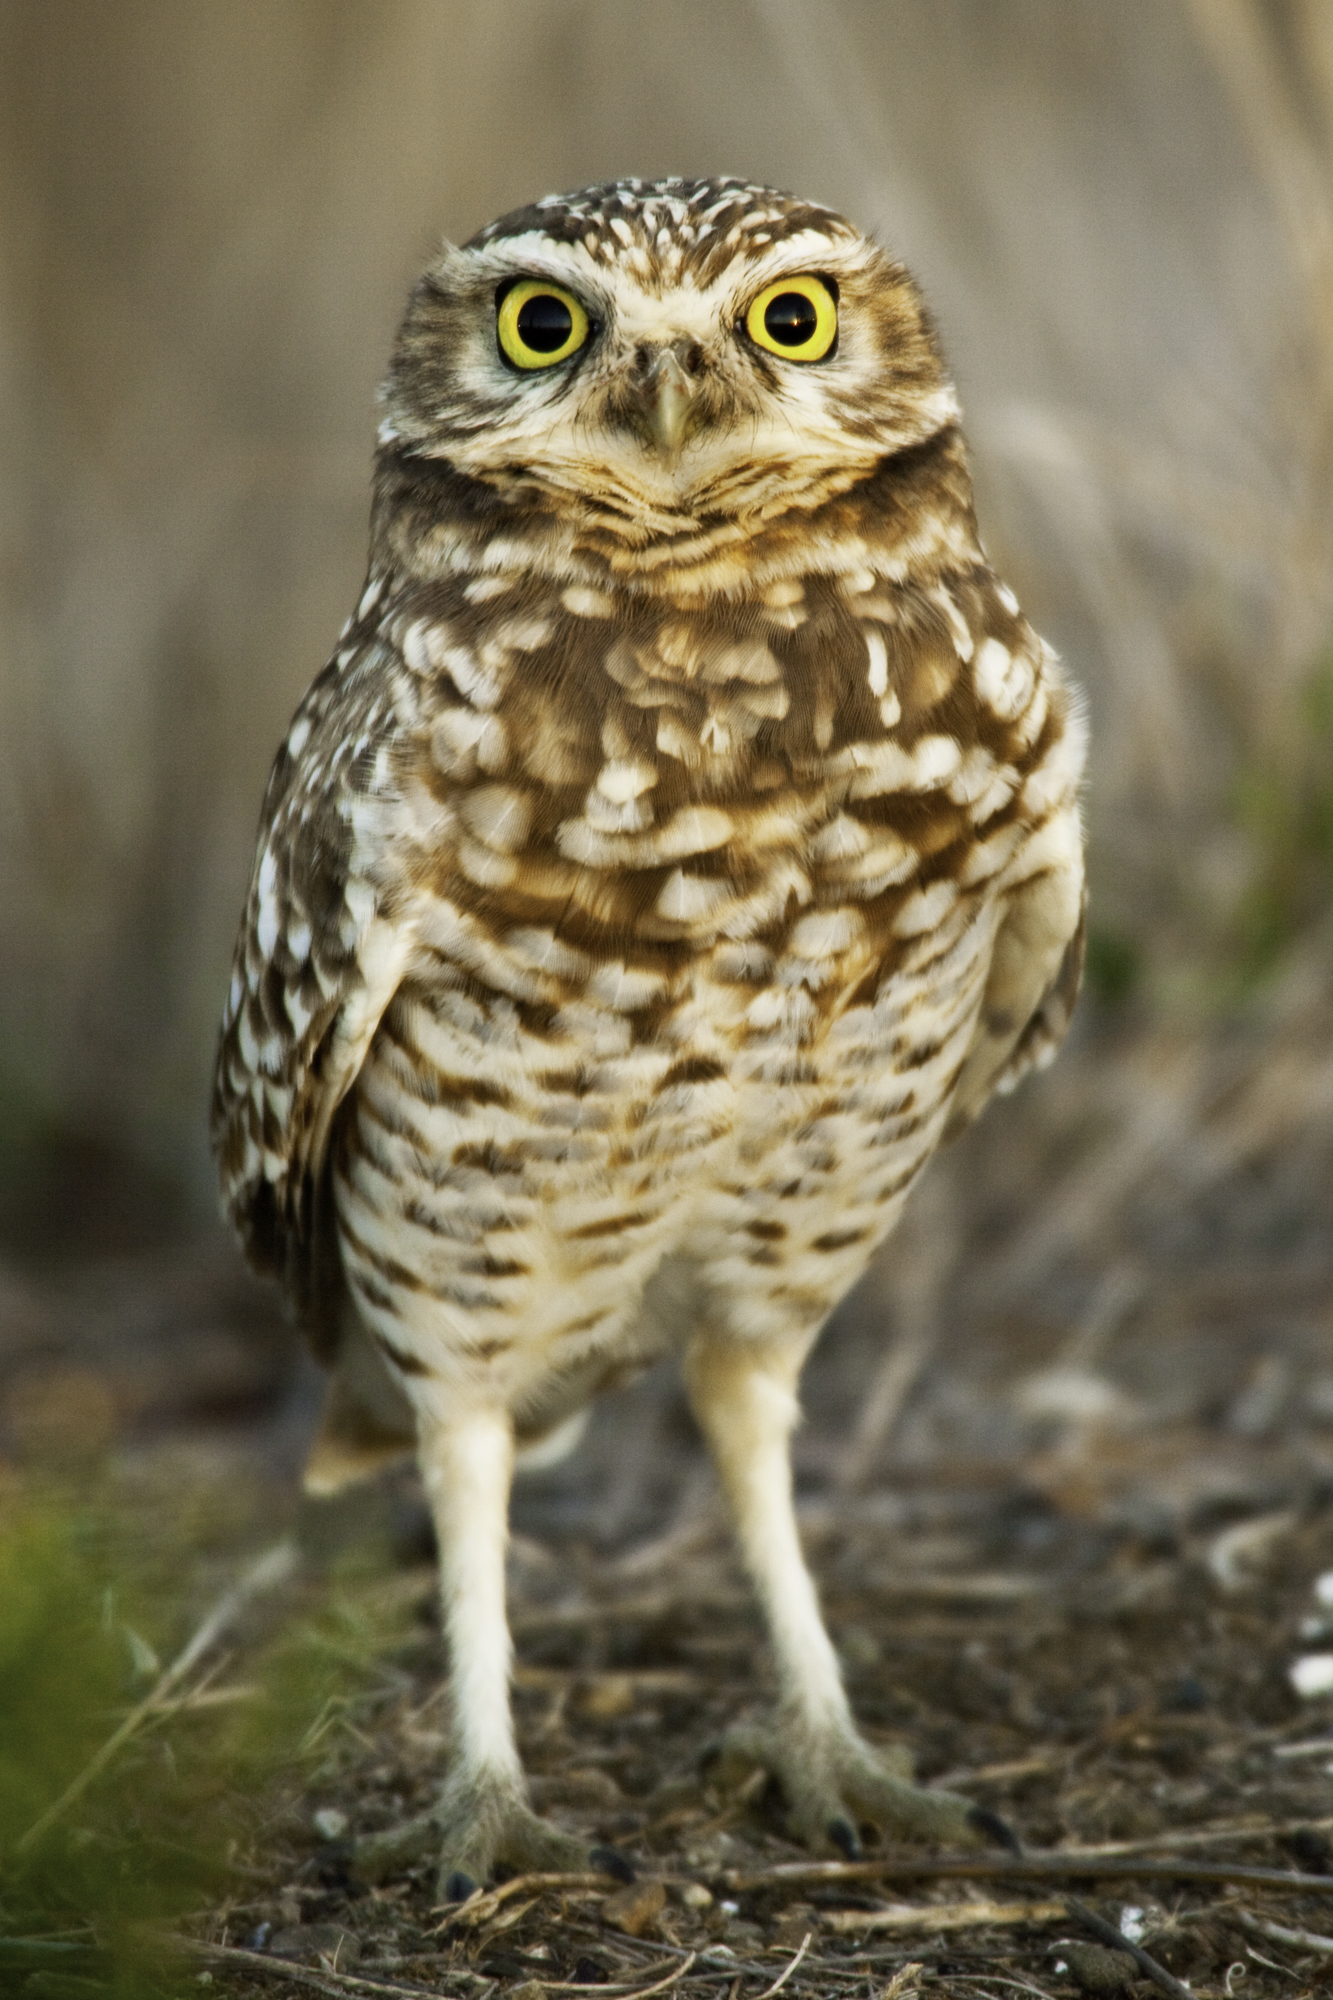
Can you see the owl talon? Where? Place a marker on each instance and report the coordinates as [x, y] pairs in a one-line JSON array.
[[481, 1829], [474, 1834], [997, 1832], [610, 1861], [831, 1783]]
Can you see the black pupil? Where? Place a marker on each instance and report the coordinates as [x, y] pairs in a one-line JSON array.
[[544, 322], [791, 319]]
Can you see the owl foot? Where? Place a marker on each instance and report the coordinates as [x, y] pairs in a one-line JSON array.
[[476, 1828], [481, 1827], [834, 1782]]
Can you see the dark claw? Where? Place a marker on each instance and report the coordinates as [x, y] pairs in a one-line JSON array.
[[610, 1861], [843, 1835], [997, 1831], [458, 1887]]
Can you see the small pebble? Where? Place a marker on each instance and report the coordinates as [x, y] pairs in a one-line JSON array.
[[330, 1824], [609, 1696], [695, 1896], [1323, 1589], [1100, 1971], [635, 1910], [674, 1795], [794, 1924], [1312, 1674]]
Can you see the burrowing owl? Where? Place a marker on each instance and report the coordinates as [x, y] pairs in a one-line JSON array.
[[680, 843]]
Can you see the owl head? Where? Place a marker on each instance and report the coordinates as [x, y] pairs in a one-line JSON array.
[[665, 352]]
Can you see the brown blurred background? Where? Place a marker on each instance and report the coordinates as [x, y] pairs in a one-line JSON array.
[[1123, 214]]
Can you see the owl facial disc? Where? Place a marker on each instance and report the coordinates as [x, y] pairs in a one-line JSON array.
[[651, 355]]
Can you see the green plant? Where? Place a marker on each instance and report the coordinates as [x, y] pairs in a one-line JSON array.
[[127, 1788]]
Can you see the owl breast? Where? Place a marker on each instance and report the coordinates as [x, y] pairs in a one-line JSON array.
[[705, 906]]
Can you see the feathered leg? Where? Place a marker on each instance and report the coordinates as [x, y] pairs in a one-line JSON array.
[[744, 1395], [483, 1816], [467, 1465]]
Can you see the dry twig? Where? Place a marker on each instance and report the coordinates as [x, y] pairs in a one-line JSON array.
[[1028, 1867], [620, 1992], [904, 1981], [1203, 1836], [482, 1905], [784, 1976], [1283, 1933], [942, 1916]]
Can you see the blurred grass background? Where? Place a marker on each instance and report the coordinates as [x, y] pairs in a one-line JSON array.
[[208, 220], [192, 1768]]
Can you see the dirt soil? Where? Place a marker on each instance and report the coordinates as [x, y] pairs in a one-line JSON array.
[[1099, 1690]]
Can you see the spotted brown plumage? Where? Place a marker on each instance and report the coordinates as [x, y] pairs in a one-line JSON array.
[[682, 840]]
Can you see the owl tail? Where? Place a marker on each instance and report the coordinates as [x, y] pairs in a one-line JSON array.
[[367, 1421]]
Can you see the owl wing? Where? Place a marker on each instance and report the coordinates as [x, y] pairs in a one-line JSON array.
[[1035, 972], [1048, 1024], [324, 941]]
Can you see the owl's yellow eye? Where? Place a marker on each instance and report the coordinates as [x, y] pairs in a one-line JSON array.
[[796, 318], [539, 324]]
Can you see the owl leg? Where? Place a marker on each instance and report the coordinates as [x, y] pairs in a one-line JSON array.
[[744, 1396], [483, 1816]]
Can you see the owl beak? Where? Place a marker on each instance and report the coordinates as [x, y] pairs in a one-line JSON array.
[[664, 397]]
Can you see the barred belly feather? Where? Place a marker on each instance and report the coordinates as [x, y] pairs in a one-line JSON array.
[[659, 1007]]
